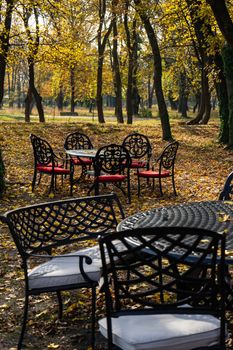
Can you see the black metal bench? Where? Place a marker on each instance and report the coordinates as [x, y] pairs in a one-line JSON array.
[[39, 230]]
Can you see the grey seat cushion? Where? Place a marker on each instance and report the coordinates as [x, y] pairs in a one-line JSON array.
[[163, 332], [64, 270]]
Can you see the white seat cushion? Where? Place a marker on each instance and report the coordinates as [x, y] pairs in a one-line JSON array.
[[65, 270], [163, 332]]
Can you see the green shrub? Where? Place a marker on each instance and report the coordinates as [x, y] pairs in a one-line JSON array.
[[2, 175], [145, 113]]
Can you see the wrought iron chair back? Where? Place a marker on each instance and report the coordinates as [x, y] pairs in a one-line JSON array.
[[168, 156], [39, 232], [153, 272], [138, 146], [43, 152], [166, 167], [112, 165], [77, 140], [227, 190], [47, 162], [112, 159]]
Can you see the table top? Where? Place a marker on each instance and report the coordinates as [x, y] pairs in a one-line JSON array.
[[89, 153], [212, 215]]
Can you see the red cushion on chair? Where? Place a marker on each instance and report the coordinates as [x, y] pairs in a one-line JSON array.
[[86, 161], [56, 170], [154, 174], [111, 178], [59, 165], [138, 164]]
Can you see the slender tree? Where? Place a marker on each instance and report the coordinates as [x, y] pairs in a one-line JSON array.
[[116, 66], [102, 38], [33, 47], [4, 40], [163, 113]]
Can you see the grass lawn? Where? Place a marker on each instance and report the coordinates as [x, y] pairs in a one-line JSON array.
[[201, 168]]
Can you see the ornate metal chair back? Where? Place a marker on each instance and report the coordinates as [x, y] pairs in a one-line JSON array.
[[138, 145], [112, 159], [77, 140], [168, 156], [43, 152]]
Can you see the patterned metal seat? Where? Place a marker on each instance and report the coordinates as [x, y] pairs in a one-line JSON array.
[[140, 150], [39, 231], [155, 301], [166, 164], [47, 162], [112, 165]]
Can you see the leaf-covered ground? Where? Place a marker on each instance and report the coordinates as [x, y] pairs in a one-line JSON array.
[[201, 168]]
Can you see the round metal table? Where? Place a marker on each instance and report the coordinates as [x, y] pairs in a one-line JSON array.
[[212, 215], [82, 153]]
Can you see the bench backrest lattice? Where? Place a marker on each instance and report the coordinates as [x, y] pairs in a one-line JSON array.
[[41, 227]]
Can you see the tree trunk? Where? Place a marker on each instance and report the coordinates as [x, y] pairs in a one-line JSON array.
[[163, 113], [221, 91], [99, 97], [150, 93], [227, 54], [101, 49], [72, 88], [60, 99], [129, 92], [4, 45], [28, 104], [172, 101], [205, 95], [116, 69], [223, 19], [183, 96], [32, 91]]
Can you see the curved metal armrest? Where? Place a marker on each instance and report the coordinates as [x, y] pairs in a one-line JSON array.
[[82, 259]]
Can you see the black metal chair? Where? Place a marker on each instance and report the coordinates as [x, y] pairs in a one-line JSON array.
[[227, 189], [47, 162], [140, 150], [112, 165], [166, 165], [39, 230], [76, 141], [155, 301]]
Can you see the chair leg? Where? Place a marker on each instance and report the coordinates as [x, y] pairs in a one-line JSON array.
[[34, 180], [93, 309], [60, 305], [25, 315], [52, 185], [160, 186], [129, 193], [96, 186], [139, 185], [174, 187]]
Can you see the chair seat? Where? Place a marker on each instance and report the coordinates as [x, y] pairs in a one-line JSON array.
[[64, 271], [59, 165], [154, 174], [111, 178], [163, 332], [50, 169], [86, 161], [138, 164]]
